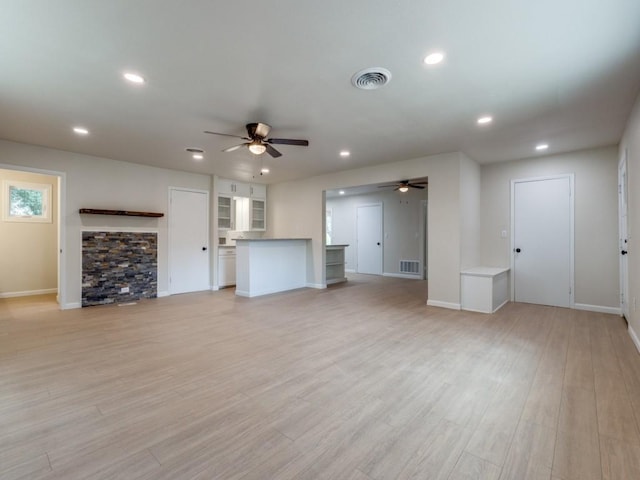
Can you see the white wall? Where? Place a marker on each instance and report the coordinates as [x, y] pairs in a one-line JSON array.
[[596, 217], [94, 182], [631, 144], [469, 213], [28, 251], [296, 209], [401, 225]]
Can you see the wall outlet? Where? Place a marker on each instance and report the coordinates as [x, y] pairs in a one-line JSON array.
[[124, 290]]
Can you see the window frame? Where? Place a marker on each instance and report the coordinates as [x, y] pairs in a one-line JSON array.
[[45, 188]]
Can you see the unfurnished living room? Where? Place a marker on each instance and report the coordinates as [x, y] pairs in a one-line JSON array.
[[319, 240]]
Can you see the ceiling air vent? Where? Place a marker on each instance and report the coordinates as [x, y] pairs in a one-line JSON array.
[[371, 78]]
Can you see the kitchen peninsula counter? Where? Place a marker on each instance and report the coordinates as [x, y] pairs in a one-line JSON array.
[[271, 265]]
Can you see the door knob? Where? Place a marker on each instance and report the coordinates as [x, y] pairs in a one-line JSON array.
[[378, 243], [623, 252], [518, 250], [204, 248]]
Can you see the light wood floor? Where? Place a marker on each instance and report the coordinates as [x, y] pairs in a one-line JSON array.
[[361, 381]]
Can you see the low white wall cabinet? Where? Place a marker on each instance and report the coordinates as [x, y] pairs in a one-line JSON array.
[[484, 289]]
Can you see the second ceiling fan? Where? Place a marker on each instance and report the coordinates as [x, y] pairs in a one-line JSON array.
[[404, 185], [257, 141]]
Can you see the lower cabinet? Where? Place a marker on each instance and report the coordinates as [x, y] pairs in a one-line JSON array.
[[226, 267], [334, 265]]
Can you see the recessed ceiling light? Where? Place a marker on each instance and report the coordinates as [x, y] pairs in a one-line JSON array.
[[198, 156], [345, 153], [484, 120], [264, 170], [341, 192], [434, 58], [133, 77], [542, 146], [81, 130]]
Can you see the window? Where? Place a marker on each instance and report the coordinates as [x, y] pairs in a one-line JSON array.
[[27, 202]]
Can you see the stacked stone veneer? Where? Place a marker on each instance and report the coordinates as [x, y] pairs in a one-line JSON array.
[[112, 261]]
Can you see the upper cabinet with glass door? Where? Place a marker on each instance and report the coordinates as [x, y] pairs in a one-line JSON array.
[[241, 206]]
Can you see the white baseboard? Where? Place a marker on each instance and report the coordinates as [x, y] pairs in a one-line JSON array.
[[28, 293], [349, 270], [597, 308], [316, 285], [437, 303], [70, 306], [402, 275], [242, 293], [213, 288], [162, 294], [635, 338]]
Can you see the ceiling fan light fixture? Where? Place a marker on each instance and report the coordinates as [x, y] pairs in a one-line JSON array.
[[403, 189], [257, 148]]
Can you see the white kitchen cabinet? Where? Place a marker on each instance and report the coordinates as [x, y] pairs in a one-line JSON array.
[[233, 188], [258, 214], [225, 212], [226, 266], [258, 191], [241, 206]]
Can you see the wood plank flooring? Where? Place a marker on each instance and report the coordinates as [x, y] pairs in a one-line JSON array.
[[361, 381]]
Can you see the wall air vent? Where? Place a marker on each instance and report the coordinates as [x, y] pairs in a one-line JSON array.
[[410, 266], [371, 78]]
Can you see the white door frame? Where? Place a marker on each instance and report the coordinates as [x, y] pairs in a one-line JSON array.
[[169, 234], [624, 273], [424, 240], [512, 276], [375, 204], [62, 229]]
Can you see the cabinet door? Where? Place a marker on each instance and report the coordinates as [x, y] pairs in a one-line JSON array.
[[225, 187], [225, 213], [241, 189], [258, 214], [258, 191]]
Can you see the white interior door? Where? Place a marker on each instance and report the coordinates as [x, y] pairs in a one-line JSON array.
[[188, 240], [543, 241], [369, 239], [623, 226]]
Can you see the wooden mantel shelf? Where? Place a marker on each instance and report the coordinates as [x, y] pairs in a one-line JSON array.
[[127, 213]]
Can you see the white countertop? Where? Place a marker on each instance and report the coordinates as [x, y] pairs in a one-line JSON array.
[[484, 271]]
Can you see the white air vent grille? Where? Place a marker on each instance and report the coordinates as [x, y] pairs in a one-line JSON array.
[[371, 78], [409, 266]]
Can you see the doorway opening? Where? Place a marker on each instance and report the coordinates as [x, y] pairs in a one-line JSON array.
[[385, 228], [31, 235]]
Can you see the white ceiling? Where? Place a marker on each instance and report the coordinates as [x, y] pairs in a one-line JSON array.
[[561, 71]]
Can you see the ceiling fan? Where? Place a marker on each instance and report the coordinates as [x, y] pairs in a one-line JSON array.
[[257, 140], [404, 185]]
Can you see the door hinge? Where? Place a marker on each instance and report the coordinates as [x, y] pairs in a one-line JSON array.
[[569, 290]]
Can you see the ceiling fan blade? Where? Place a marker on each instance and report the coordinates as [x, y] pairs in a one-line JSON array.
[[272, 151], [391, 185], [226, 135], [288, 141], [413, 185], [235, 147]]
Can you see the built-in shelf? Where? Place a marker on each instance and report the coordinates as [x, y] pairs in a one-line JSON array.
[[334, 264], [126, 213]]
